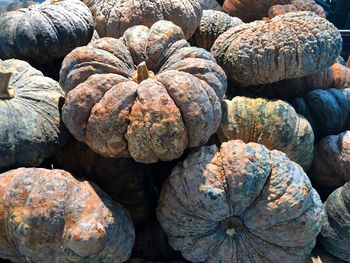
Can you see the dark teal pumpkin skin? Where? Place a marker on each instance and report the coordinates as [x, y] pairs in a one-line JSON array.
[[46, 32], [326, 110]]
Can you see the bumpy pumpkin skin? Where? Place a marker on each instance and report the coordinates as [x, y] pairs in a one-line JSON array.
[[125, 181], [296, 5], [154, 118], [250, 10], [43, 33], [240, 203], [264, 52], [326, 110], [335, 234], [51, 217], [213, 23], [274, 124], [114, 17], [30, 125], [331, 164], [336, 76]]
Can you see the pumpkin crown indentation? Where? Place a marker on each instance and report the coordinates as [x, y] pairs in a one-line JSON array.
[[142, 73], [6, 92], [232, 225]]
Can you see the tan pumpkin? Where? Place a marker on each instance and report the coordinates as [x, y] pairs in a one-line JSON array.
[[153, 111], [296, 5], [49, 216], [114, 17], [264, 52], [274, 124], [240, 203]]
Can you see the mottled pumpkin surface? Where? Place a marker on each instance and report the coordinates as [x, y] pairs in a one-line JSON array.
[[213, 23], [274, 124], [335, 234], [240, 203], [148, 94], [114, 17], [48, 216], [30, 125], [125, 181], [296, 5], [331, 164], [326, 110], [250, 10], [336, 76], [288, 46], [43, 33]]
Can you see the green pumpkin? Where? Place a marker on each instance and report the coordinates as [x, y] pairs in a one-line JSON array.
[[30, 126], [273, 123]]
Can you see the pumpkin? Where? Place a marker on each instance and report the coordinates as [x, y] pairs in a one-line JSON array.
[[46, 32], [151, 243], [319, 255], [264, 52], [335, 233], [30, 126], [274, 124], [212, 5], [213, 23], [152, 111], [250, 10], [348, 62], [17, 5], [240, 203], [296, 5], [48, 216], [125, 181], [336, 76], [114, 17], [326, 110], [331, 164]]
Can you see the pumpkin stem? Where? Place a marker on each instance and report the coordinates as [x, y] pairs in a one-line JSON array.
[[142, 73], [232, 225], [5, 91]]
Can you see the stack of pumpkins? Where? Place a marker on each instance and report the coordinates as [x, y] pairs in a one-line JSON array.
[[152, 131]]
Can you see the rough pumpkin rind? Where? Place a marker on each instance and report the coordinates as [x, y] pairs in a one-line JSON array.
[[326, 110], [336, 76], [331, 164], [48, 216], [275, 124], [296, 5], [175, 107], [213, 23], [43, 33], [293, 45], [335, 234], [114, 17], [240, 203], [30, 125]]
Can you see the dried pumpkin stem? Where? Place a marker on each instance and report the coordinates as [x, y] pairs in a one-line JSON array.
[[5, 91], [142, 73], [232, 225]]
